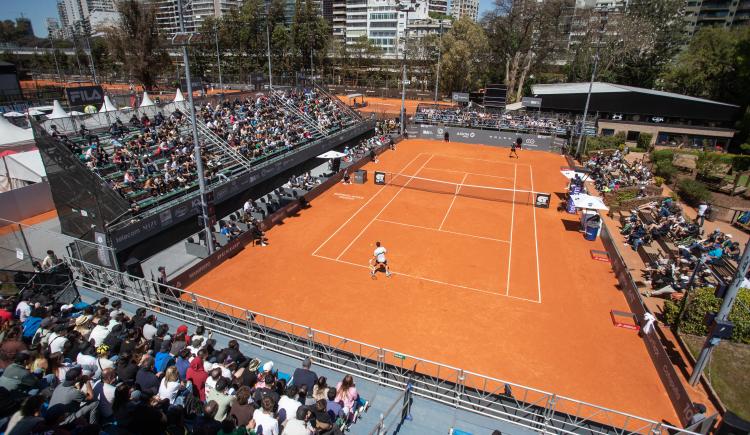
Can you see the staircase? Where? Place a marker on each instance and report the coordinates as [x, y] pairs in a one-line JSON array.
[[310, 123], [209, 137], [340, 104]]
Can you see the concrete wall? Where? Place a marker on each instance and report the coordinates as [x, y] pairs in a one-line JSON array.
[[28, 201], [655, 129]]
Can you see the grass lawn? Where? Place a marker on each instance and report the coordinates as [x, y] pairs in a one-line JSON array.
[[728, 372]]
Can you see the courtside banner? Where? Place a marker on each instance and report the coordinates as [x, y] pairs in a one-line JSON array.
[[537, 142]]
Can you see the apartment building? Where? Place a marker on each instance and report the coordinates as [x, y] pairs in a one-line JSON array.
[[465, 8], [726, 13]]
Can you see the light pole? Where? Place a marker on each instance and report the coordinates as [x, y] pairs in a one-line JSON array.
[[591, 83], [722, 316], [54, 56], [268, 47], [218, 56], [440, 55], [407, 9], [196, 144], [91, 59]]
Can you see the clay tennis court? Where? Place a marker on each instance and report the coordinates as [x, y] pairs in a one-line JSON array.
[[482, 279]]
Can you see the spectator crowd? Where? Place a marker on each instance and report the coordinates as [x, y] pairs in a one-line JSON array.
[[90, 369], [475, 117]]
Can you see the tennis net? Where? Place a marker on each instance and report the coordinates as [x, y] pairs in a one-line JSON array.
[[487, 193]]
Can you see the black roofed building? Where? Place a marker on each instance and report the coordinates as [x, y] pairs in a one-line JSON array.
[[672, 119]]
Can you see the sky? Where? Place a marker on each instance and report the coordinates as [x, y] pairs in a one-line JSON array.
[[39, 10]]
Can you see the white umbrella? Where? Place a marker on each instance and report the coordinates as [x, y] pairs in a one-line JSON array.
[[572, 174], [582, 200], [13, 114], [331, 155]]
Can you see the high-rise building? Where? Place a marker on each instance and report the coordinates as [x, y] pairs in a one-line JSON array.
[[438, 6], [53, 28], [725, 13], [338, 25], [465, 8], [194, 12], [83, 17]]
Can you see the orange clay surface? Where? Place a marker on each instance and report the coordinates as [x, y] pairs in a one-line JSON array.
[[385, 105], [546, 324]]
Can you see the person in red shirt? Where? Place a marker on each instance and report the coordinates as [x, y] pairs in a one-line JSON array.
[[197, 375]]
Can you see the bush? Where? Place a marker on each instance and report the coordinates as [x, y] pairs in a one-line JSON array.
[[741, 163], [658, 181], [662, 155], [644, 140], [693, 192], [604, 143], [702, 302], [665, 169], [745, 148]]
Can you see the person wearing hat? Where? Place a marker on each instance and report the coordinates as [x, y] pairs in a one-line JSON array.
[[77, 396], [196, 374], [305, 376]]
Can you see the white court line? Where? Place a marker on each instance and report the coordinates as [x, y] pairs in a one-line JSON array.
[[481, 160], [536, 244], [455, 195], [512, 216], [470, 173], [381, 210], [429, 280], [360, 209], [442, 231]]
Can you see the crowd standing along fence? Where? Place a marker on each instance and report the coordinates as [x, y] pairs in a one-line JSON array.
[[461, 389]]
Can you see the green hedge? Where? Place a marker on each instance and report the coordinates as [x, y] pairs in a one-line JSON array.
[[702, 302], [693, 192], [662, 155], [644, 140], [605, 142]]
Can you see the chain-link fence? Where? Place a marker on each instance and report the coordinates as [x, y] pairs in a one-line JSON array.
[[21, 245]]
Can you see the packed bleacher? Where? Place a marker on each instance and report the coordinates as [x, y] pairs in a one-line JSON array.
[[476, 117], [150, 160], [670, 244], [93, 368]]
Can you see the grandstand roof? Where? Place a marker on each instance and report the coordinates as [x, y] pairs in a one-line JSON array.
[[614, 98]]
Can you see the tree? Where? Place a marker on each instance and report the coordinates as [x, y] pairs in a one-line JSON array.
[[523, 35], [422, 54], [716, 65], [310, 35], [465, 57], [363, 52], [136, 43], [635, 44]]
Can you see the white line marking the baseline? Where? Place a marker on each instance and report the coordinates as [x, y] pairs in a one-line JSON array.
[[442, 231], [470, 173], [481, 160], [455, 195], [381, 211], [428, 279], [536, 243], [360, 209], [512, 216]]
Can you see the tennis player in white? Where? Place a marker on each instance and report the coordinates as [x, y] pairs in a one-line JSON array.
[[378, 260]]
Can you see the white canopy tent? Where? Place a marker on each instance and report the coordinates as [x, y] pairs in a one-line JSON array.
[[20, 169], [178, 97], [108, 106], [146, 102], [13, 114], [11, 134], [57, 111]]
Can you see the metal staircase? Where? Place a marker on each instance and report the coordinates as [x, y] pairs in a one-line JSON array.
[[213, 139], [340, 104], [307, 119]]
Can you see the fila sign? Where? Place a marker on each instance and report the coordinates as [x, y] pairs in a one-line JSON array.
[[85, 95]]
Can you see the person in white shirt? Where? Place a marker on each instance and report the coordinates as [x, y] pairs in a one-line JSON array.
[[104, 392], [100, 332], [702, 208], [379, 261], [170, 385], [289, 404], [23, 310], [50, 260], [265, 422], [299, 424], [57, 339]]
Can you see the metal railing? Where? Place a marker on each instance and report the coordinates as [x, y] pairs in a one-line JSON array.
[[458, 388], [214, 139]]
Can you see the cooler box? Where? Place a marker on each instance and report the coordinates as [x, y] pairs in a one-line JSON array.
[[360, 176]]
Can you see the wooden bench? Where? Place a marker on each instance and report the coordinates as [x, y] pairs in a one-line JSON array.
[[648, 254]]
